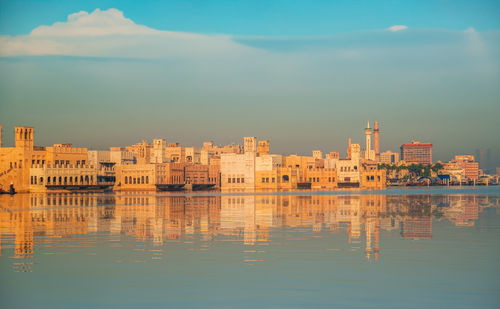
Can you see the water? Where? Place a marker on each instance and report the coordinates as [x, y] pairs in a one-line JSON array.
[[429, 248]]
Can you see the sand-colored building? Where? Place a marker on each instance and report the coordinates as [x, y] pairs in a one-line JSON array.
[[150, 177], [16, 162]]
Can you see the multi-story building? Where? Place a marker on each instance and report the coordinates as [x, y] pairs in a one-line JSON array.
[[416, 153], [467, 163], [389, 157], [16, 162]]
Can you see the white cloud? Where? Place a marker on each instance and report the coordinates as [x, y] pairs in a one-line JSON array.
[[397, 28], [110, 34], [97, 23]]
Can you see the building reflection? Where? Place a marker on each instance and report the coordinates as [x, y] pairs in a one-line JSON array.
[[249, 219]]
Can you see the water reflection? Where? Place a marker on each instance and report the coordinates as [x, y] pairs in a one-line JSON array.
[[29, 220]]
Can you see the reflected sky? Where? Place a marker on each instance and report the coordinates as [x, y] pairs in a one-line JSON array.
[[279, 251]]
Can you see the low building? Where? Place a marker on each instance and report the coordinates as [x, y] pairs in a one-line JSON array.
[[152, 177], [64, 178], [372, 177]]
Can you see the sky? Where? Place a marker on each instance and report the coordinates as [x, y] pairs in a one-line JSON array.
[[304, 74]]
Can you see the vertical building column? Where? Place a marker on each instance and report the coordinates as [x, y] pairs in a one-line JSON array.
[[376, 141]]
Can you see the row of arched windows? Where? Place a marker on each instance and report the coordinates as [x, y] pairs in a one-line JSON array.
[[82, 180], [136, 180]]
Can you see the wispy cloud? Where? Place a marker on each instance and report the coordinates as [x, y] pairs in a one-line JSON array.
[[397, 28]]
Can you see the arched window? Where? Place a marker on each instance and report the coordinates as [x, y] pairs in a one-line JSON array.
[[147, 179], [65, 180], [54, 180], [25, 135], [92, 179], [81, 180], [60, 180], [126, 180], [142, 179], [86, 179], [41, 180], [48, 180], [285, 178]]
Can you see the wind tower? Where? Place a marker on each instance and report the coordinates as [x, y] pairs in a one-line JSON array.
[[376, 141], [368, 140], [24, 137]]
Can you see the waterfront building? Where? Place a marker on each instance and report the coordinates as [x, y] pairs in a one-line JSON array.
[[372, 177], [321, 178], [467, 163], [15, 162], [238, 170], [150, 177], [63, 178], [389, 157], [348, 169], [456, 173], [416, 153]]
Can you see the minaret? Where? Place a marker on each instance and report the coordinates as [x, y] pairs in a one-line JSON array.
[[376, 141], [368, 140]]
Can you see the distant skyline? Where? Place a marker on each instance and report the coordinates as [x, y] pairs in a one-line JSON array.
[[305, 75]]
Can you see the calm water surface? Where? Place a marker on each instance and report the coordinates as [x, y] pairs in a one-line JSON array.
[[399, 249]]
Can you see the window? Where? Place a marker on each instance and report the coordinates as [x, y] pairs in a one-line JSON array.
[[263, 179], [367, 178], [242, 180], [147, 179], [238, 180], [56, 162], [329, 179], [229, 180], [273, 179], [83, 162], [142, 179], [126, 180], [285, 178], [267, 179], [134, 180]]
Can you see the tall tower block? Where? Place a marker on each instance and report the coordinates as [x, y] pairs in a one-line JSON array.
[[368, 140], [24, 137], [376, 141]]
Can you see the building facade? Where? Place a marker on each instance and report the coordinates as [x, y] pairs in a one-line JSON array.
[[416, 153]]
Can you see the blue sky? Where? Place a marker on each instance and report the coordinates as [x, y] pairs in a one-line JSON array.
[[262, 17], [304, 74]]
